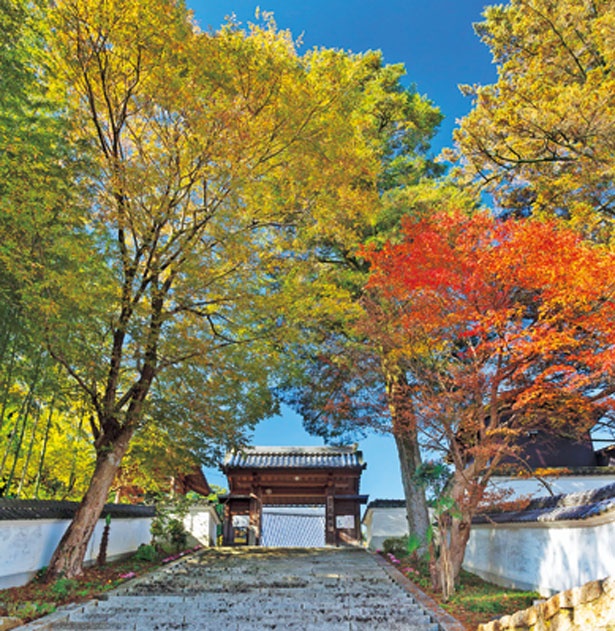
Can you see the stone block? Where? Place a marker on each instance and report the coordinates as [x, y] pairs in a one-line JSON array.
[[563, 621], [587, 608], [551, 607], [588, 616], [579, 595], [608, 586], [524, 618], [591, 591]]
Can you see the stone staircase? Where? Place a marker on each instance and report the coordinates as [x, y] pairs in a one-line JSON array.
[[256, 589]]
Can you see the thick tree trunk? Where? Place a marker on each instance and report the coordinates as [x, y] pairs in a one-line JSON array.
[[406, 439], [416, 506], [454, 526], [454, 534], [460, 535], [67, 560]]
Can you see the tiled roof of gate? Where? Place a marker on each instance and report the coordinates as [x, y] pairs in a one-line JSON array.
[[12, 509], [294, 458], [572, 506]]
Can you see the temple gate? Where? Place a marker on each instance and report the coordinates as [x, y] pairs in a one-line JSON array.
[[284, 495]]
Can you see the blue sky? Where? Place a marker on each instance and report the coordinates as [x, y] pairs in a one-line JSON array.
[[435, 40]]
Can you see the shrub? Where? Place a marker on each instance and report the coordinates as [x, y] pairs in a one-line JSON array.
[[30, 609], [146, 552], [397, 546], [167, 526], [177, 534], [63, 587]]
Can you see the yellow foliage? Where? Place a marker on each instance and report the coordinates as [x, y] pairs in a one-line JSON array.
[[541, 138]]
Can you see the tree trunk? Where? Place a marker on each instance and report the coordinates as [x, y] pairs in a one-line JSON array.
[[72, 476], [460, 535], [416, 506], [26, 464], [9, 443], [454, 526], [39, 473], [406, 439], [454, 534], [67, 560], [8, 382], [104, 543], [446, 574], [24, 413], [20, 433]]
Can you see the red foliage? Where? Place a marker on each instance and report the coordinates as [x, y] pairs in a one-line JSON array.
[[502, 327], [504, 323]]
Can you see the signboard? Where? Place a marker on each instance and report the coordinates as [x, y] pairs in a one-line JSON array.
[[240, 529], [344, 521]]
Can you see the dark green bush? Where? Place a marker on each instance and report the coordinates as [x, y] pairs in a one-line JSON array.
[[146, 552], [177, 534]]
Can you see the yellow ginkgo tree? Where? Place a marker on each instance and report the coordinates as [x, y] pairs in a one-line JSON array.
[[209, 154], [541, 138]]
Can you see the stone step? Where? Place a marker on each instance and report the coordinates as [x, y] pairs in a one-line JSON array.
[[242, 613], [325, 591], [147, 623]]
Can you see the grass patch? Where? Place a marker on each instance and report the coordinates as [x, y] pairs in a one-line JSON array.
[[38, 598], [478, 596], [476, 601]]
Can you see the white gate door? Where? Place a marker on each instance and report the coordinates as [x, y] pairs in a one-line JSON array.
[[293, 526]]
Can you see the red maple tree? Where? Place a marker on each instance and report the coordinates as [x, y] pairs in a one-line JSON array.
[[503, 326]]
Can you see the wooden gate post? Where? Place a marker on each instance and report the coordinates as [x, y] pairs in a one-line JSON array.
[[330, 538]]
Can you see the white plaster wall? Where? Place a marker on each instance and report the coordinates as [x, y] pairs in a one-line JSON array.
[[125, 536], [201, 523], [382, 523], [27, 545], [558, 484], [546, 557]]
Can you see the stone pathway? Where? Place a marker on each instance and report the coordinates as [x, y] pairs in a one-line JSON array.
[[254, 589]]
